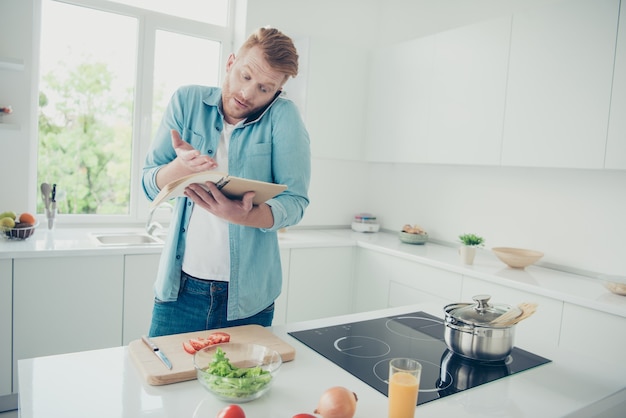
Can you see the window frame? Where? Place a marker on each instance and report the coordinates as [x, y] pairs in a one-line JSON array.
[[148, 22]]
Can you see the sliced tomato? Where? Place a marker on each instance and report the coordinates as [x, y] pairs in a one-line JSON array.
[[198, 344], [188, 348], [219, 337]]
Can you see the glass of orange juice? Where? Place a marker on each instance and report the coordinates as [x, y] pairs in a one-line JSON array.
[[404, 383]]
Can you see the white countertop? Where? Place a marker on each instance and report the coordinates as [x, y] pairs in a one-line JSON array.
[[105, 383], [577, 289]]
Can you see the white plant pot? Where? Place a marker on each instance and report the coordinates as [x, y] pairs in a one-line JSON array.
[[467, 254]]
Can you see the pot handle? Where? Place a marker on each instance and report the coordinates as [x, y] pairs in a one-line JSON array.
[[482, 302]]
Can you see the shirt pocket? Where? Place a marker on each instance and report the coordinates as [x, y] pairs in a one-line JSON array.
[[258, 161], [259, 150], [196, 140]]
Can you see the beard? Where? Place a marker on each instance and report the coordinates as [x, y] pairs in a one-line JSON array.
[[235, 107]]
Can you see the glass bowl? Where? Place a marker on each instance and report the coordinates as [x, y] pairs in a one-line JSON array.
[[260, 363]]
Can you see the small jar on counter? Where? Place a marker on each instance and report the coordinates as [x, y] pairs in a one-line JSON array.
[[365, 222]]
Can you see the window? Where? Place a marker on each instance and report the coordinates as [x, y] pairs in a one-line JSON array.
[[107, 71]]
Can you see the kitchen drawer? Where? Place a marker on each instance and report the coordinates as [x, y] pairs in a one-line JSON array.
[[591, 332], [442, 283], [382, 278], [401, 294], [320, 283]]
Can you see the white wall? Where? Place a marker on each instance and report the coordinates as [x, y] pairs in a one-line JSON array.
[[576, 217]]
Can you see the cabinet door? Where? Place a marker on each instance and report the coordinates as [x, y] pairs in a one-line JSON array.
[[140, 272], [280, 304], [384, 281], [371, 280], [66, 304], [559, 86], [6, 317], [320, 283], [616, 142], [590, 332], [468, 93], [398, 117], [537, 333]]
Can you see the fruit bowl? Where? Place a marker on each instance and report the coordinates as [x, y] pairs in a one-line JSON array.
[[18, 232], [518, 258], [409, 238], [236, 372]]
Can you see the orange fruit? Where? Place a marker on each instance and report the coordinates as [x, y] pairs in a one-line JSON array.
[[28, 218]]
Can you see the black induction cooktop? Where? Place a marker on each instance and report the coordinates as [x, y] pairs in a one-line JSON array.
[[364, 349]]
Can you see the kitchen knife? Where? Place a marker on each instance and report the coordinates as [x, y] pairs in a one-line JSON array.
[[157, 352]]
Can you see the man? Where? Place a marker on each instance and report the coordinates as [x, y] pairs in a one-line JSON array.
[[220, 265]]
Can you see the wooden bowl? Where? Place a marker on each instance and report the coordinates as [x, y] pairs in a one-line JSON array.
[[517, 258]]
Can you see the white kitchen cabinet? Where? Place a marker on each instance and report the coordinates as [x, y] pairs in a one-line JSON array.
[[616, 141], [397, 121], [66, 304], [280, 304], [559, 85], [371, 280], [140, 272], [320, 282], [468, 93], [6, 317], [590, 332], [382, 281], [537, 333], [336, 93], [440, 99]]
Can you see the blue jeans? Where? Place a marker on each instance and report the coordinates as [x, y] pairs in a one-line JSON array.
[[201, 305]]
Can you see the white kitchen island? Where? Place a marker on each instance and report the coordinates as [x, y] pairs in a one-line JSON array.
[[105, 383]]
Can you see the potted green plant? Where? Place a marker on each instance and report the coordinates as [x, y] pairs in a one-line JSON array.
[[468, 249]]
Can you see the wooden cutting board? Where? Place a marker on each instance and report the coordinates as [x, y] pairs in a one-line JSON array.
[[155, 373]]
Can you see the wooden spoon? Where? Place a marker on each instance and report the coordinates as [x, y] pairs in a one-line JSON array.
[[511, 317]]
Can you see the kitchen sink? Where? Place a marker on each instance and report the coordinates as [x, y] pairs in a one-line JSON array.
[[126, 238]]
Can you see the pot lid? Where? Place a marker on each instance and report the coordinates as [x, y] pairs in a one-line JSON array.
[[481, 312]]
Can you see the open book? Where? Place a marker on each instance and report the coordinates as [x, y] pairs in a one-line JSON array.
[[233, 187]]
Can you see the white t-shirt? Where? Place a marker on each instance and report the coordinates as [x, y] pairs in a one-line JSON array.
[[207, 249]]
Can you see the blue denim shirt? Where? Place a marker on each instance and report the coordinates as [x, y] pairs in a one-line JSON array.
[[273, 147]]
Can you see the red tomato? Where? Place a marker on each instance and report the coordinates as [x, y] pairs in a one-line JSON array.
[[188, 348], [197, 344], [231, 411], [219, 337], [304, 416]]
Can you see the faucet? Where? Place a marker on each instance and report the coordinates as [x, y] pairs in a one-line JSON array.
[[153, 226]]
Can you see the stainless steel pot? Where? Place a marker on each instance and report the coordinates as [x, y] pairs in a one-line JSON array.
[[469, 333]]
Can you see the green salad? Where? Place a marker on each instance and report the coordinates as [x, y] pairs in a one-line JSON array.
[[232, 382]]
